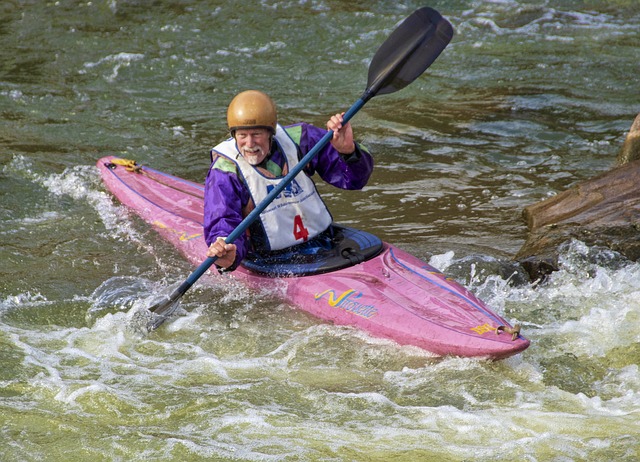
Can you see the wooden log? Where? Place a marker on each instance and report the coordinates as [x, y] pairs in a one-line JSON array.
[[602, 211]]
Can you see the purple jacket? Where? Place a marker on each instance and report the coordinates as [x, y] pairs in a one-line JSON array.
[[226, 195]]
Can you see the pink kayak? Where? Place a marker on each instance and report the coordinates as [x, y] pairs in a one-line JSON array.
[[377, 288]]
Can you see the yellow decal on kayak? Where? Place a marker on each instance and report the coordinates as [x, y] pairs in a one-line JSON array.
[[346, 301], [483, 329], [183, 235]]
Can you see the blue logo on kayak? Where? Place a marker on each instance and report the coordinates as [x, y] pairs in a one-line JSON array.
[[293, 189], [346, 301]]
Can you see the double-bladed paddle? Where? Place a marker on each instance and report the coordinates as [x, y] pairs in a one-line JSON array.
[[407, 53]]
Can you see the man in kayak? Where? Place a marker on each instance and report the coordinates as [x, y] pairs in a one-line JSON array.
[[258, 155]]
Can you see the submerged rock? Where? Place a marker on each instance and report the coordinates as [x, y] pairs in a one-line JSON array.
[[603, 211]]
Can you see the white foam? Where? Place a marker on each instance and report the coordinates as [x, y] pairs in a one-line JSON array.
[[118, 60], [442, 261]]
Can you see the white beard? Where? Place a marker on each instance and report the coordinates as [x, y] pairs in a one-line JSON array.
[[253, 156]]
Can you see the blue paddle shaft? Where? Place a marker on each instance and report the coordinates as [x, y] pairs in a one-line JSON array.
[[255, 213]]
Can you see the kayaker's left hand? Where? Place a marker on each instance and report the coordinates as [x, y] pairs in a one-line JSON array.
[[342, 134], [226, 253]]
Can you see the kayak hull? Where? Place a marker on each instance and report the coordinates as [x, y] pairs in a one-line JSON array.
[[393, 295]]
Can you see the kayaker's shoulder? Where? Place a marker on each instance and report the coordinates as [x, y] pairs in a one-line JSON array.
[[295, 131], [225, 165]]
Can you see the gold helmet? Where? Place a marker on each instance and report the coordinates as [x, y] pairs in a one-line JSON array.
[[251, 109]]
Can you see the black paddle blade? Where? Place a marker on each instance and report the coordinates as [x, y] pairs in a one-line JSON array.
[[162, 311], [408, 52]]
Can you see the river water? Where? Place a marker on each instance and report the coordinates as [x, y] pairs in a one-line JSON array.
[[529, 98]]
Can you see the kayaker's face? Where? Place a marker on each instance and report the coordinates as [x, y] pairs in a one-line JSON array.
[[253, 144]]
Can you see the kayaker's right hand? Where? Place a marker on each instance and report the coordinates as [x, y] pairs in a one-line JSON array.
[[226, 253], [342, 139]]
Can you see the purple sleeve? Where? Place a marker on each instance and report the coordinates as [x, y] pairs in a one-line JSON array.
[[345, 172], [224, 198]]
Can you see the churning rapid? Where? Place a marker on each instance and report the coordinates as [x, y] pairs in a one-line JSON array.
[[527, 100]]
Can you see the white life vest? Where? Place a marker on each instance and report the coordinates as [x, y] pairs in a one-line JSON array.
[[298, 213]]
